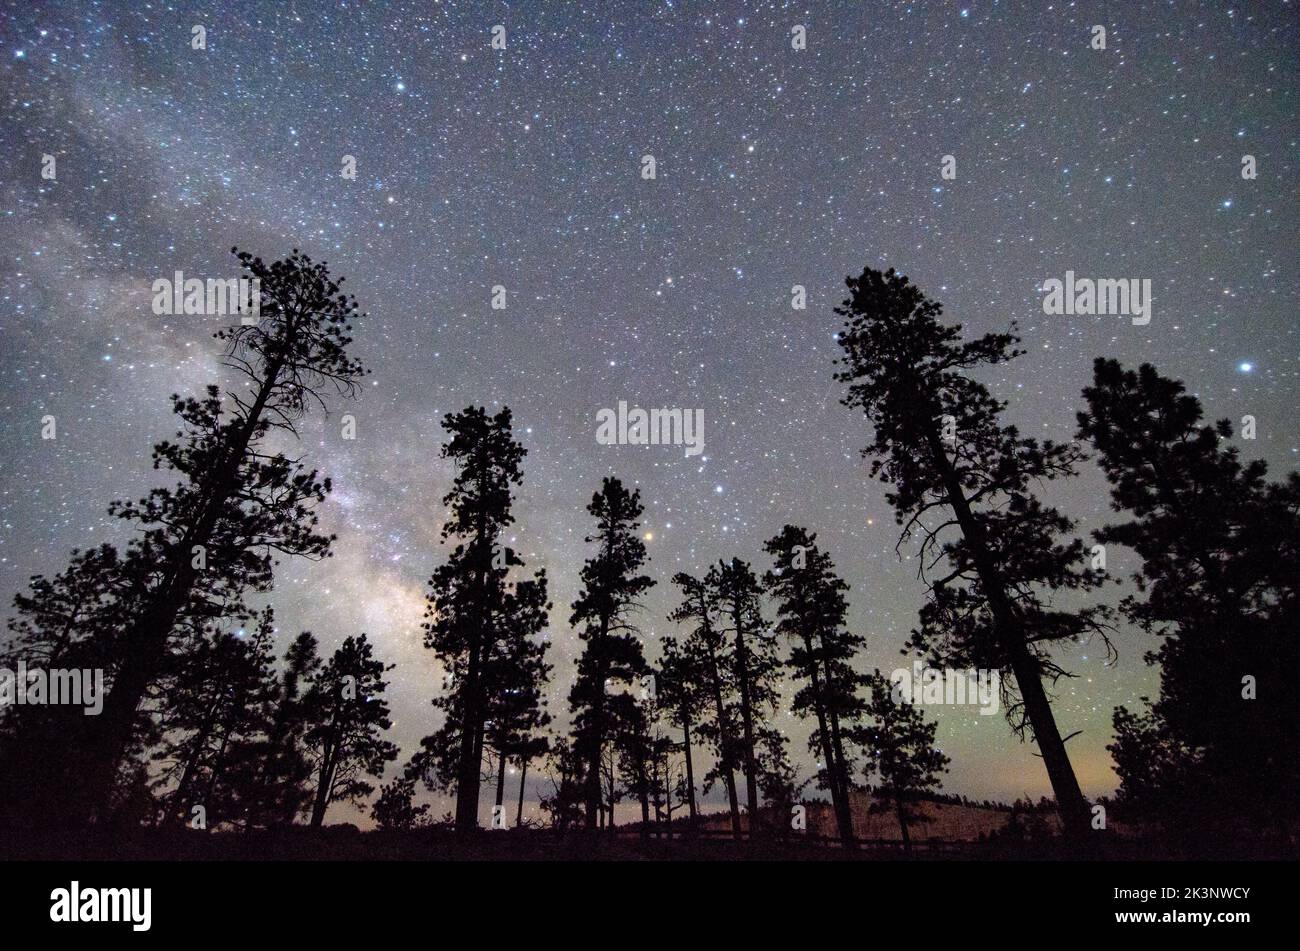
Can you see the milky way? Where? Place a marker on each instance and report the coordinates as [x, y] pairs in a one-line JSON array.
[[522, 167]]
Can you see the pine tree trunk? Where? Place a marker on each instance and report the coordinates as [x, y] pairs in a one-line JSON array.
[[902, 825], [499, 808], [747, 726], [667, 789], [724, 744], [218, 764], [523, 775], [690, 769], [596, 741], [642, 781], [329, 763], [467, 767], [837, 738], [839, 795], [200, 740], [1070, 803], [470, 760], [841, 766], [147, 642], [613, 782], [326, 780]]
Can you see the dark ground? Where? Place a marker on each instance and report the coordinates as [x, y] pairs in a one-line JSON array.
[[346, 843]]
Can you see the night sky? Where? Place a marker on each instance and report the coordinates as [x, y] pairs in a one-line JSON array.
[[478, 167]]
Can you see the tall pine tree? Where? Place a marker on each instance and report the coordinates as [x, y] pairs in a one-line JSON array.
[[612, 656], [1219, 584], [681, 696], [279, 780], [707, 648], [755, 667], [236, 506], [73, 620], [477, 624], [216, 722], [518, 673], [901, 751], [951, 462], [811, 609], [347, 716]]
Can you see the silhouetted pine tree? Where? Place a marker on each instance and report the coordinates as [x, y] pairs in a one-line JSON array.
[[518, 673], [707, 649], [754, 664], [347, 717], [939, 442], [395, 809], [900, 750], [612, 788], [564, 766], [69, 620], [73, 620], [612, 655], [215, 533], [278, 787], [1219, 583], [681, 693], [472, 612], [217, 716], [532, 748], [740, 615], [632, 743], [811, 608], [663, 750], [778, 779]]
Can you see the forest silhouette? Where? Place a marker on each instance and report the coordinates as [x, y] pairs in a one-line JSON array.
[[207, 732]]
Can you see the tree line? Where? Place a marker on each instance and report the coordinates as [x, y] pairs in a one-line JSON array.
[[203, 724]]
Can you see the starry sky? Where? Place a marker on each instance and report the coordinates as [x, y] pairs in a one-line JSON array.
[[521, 167]]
